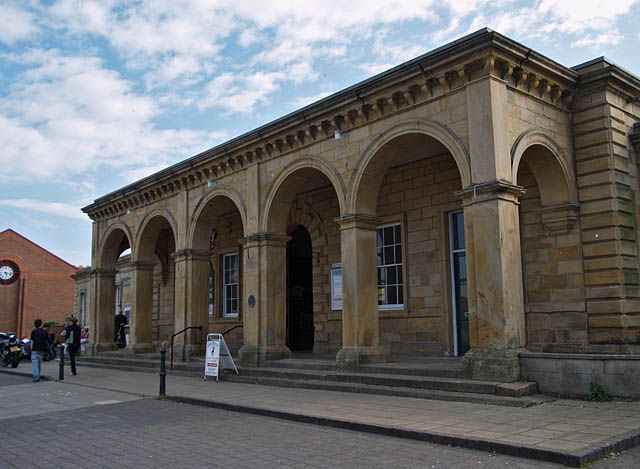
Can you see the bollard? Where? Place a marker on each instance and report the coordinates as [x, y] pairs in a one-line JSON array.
[[163, 372], [61, 367]]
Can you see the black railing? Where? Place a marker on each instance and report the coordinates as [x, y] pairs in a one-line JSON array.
[[233, 328], [183, 348]]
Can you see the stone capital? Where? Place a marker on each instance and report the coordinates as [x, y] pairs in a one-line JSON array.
[[142, 266], [265, 239], [103, 272], [357, 220], [559, 219], [491, 190], [191, 255]]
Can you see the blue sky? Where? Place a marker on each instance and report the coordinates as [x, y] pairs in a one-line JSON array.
[[97, 94]]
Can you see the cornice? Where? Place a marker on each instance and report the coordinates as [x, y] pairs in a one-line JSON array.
[[427, 78]]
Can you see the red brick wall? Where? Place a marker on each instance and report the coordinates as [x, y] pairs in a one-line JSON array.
[[44, 289]]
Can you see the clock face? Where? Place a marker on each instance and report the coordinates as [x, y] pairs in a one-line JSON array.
[[8, 272]]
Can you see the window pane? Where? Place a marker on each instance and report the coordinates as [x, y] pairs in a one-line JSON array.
[[388, 235], [379, 257], [392, 297], [382, 276], [399, 272], [398, 249], [389, 257], [379, 242], [391, 275], [400, 295], [396, 234]]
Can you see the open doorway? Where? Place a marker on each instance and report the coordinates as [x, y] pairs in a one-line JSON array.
[[300, 329]]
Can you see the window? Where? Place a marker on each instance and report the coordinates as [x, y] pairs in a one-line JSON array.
[[389, 261], [230, 285], [458, 260], [212, 289], [82, 307], [118, 299]]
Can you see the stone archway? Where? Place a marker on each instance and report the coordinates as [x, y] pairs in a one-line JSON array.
[[116, 240], [401, 194], [153, 282], [553, 277], [214, 264]]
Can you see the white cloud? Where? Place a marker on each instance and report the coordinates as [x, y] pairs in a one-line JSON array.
[[306, 100], [599, 40], [71, 115], [16, 24], [51, 208]]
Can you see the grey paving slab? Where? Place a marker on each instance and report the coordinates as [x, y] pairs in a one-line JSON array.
[[560, 427]]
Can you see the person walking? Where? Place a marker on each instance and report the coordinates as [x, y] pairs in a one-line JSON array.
[[120, 322], [39, 345], [72, 334]]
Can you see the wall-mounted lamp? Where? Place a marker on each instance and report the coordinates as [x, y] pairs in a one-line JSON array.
[[317, 256], [210, 183], [336, 135], [129, 210]]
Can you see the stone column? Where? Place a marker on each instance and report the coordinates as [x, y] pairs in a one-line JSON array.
[[141, 309], [494, 268], [264, 285], [360, 330], [191, 299], [103, 309]]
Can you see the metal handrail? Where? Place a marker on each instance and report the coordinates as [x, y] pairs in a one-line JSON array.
[[183, 348], [233, 328]]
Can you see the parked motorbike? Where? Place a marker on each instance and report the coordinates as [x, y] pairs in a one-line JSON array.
[[11, 351]]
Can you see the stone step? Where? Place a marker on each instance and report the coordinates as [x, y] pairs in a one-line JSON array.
[[391, 380], [437, 368], [476, 398]]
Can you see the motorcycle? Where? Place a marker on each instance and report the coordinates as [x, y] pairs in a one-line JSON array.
[[11, 351]]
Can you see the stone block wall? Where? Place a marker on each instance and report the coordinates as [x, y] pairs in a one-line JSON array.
[[555, 309], [605, 178]]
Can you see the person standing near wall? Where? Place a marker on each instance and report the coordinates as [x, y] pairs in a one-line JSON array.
[[39, 345], [72, 333]]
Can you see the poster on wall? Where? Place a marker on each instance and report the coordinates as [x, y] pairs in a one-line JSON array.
[[336, 289], [127, 311]]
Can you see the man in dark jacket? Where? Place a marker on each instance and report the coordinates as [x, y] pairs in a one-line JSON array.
[[72, 334], [119, 323], [39, 345]]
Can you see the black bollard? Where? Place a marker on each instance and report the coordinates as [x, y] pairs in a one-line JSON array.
[[163, 372], [61, 368]]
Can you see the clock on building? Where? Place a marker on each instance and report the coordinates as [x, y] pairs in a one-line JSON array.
[[9, 272]]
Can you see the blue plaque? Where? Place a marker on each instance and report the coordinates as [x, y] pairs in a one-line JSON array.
[[251, 301]]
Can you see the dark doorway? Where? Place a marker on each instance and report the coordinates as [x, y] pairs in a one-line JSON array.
[[300, 328]]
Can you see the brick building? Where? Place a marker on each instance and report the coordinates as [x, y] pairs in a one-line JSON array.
[[476, 201], [34, 283]]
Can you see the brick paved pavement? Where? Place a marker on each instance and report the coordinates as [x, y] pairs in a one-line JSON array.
[[590, 420], [156, 434]]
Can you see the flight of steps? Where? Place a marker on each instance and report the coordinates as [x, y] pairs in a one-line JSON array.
[[437, 378]]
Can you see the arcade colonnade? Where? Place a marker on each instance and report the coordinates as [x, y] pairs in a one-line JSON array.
[[421, 211]]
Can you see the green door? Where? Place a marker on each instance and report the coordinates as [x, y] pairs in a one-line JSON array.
[[458, 261]]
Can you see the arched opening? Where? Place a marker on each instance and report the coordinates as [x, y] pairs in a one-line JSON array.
[[304, 204], [408, 185], [113, 262], [300, 330], [553, 280], [217, 267], [154, 271]]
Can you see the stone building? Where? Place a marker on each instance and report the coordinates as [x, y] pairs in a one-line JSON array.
[[34, 283], [476, 201]]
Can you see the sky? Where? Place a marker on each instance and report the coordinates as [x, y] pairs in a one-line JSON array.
[[97, 94]]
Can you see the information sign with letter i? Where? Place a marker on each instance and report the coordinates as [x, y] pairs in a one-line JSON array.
[[217, 356]]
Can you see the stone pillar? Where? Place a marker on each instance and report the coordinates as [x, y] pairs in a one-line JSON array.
[[494, 268], [606, 172], [191, 300], [103, 309], [360, 329], [141, 309], [264, 285]]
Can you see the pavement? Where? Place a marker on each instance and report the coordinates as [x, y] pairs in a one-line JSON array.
[[563, 431]]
